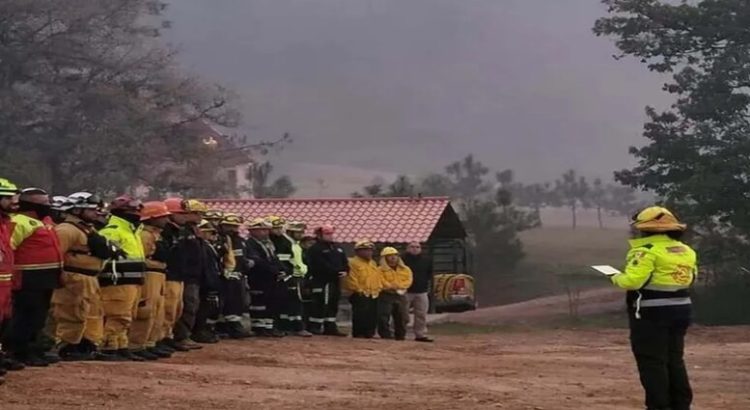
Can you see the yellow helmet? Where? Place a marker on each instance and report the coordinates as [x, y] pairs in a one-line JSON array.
[[657, 219], [259, 223], [206, 226], [195, 206], [276, 221], [213, 215], [231, 219], [364, 244], [387, 251], [8, 188], [295, 226]]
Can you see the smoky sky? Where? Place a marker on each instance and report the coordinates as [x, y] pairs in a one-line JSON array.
[[406, 86]]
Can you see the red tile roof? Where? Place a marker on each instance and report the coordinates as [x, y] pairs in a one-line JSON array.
[[377, 219]]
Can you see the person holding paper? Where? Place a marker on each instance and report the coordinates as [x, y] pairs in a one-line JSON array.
[[658, 275]]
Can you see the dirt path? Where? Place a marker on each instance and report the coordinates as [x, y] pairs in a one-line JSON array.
[[590, 302], [560, 370]]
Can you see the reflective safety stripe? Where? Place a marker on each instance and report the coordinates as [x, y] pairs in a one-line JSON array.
[[330, 319], [284, 257], [665, 288], [257, 308], [326, 294], [4, 277], [233, 318], [256, 292], [211, 321], [665, 302], [238, 252], [317, 290], [40, 266], [294, 318], [282, 316], [317, 320]]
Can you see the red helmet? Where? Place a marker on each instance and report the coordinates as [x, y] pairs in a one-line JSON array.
[[126, 203], [175, 205], [153, 210]]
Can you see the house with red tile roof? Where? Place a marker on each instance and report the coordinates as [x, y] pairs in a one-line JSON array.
[[386, 221]]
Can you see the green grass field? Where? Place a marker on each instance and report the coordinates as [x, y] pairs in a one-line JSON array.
[[550, 253]]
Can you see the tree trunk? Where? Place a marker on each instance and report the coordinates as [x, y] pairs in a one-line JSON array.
[[574, 214], [599, 217]]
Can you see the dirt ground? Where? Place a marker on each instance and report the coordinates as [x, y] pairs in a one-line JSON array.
[[540, 369]]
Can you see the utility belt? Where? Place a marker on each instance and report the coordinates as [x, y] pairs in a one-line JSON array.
[[82, 271], [655, 296], [42, 269], [132, 273]]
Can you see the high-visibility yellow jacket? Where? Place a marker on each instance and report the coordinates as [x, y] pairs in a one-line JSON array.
[[364, 277], [300, 268], [128, 271], [398, 279], [659, 273]]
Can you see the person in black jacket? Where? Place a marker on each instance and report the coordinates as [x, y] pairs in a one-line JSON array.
[[235, 267], [418, 293], [327, 264], [209, 307], [264, 275]]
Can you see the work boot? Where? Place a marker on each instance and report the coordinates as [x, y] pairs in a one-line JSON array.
[[74, 353], [237, 331], [278, 333], [50, 357], [11, 364], [108, 356], [190, 344], [334, 332], [316, 331], [302, 333], [128, 355], [205, 336], [159, 352], [144, 354], [172, 344], [424, 339], [31, 360]]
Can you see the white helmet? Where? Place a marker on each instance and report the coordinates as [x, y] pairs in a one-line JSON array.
[[61, 203], [85, 200]]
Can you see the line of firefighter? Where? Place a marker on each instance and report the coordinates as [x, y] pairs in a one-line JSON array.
[[141, 281]]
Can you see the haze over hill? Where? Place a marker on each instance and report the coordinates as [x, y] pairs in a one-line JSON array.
[[395, 86]]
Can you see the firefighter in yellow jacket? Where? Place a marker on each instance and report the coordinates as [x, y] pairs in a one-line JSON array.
[[364, 283], [148, 322], [121, 280], [392, 302], [76, 305], [659, 273]]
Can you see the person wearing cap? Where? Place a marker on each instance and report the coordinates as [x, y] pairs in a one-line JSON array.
[[392, 302], [145, 331], [289, 319], [77, 304], [209, 307], [122, 279], [8, 193], [186, 266], [328, 265], [235, 268], [264, 275], [38, 262], [295, 289], [364, 283], [658, 275]]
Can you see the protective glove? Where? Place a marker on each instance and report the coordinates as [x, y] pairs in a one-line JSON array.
[[100, 247], [231, 275], [118, 253]]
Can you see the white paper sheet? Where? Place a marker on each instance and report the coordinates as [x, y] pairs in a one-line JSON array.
[[606, 269]]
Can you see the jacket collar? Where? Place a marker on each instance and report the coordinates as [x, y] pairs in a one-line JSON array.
[[122, 223], [639, 242]]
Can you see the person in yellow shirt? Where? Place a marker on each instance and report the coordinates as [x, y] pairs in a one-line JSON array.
[[392, 302], [364, 283], [658, 275]]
